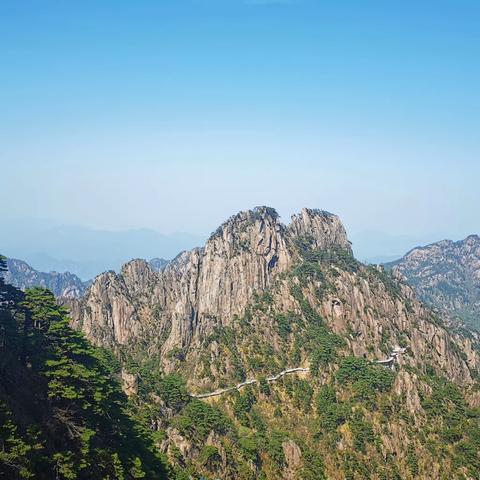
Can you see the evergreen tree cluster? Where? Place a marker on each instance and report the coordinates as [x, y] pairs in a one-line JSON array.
[[62, 413]]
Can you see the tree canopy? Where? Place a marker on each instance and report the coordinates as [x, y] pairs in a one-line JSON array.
[[62, 414]]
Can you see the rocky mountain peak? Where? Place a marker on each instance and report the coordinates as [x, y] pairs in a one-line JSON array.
[[245, 225], [247, 230], [206, 286], [473, 241], [255, 229], [323, 228], [137, 274]]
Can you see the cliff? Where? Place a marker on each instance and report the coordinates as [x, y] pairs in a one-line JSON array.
[[377, 382]]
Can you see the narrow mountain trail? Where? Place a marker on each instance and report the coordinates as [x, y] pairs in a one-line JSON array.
[[388, 362], [221, 391]]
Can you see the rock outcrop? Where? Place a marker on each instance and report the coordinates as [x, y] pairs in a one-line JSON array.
[[202, 288], [174, 310]]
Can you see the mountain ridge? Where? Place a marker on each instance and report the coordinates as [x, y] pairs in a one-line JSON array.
[[259, 298], [446, 276], [21, 275]]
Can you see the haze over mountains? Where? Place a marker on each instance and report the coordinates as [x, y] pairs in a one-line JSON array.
[[86, 252], [373, 246]]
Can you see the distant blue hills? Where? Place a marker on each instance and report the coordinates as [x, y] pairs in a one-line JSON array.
[[86, 252]]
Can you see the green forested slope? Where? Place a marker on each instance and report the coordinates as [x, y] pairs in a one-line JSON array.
[[62, 416], [347, 418]]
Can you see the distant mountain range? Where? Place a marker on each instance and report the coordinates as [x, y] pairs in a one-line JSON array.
[[372, 246], [158, 264], [86, 252], [23, 276], [446, 276]]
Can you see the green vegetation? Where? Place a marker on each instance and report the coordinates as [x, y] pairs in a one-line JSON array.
[[312, 256], [243, 405], [275, 447], [331, 412], [62, 415], [198, 419], [319, 342], [391, 284], [302, 394], [453, 422], [362, 431], [365, 378]]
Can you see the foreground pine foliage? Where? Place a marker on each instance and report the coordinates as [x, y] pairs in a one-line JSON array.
[[62, 415]]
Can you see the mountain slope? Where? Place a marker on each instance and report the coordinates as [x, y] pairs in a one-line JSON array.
[[62, 414], [261, 298], [22, 276], [446, 275]]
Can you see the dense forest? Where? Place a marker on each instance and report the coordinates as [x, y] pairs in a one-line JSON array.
[[62, 413]]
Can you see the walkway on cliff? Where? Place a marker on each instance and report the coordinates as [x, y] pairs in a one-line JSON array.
[[388, 362]]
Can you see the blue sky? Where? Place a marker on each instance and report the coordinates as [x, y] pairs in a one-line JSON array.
[[175, 114]]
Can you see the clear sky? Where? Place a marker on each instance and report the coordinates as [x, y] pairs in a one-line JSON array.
[[175, 114]]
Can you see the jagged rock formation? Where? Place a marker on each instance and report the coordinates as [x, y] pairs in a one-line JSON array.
[[23, 276], [446, 276], [176, 309], [260, 298], [203, 288]]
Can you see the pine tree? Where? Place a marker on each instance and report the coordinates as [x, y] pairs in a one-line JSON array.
[[62, 415], [136, 471]]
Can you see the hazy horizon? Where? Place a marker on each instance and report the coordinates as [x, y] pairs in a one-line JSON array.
[[174, 115], [49, 245]]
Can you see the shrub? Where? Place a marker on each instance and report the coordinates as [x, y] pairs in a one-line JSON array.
[[199, 419], [365, 378]]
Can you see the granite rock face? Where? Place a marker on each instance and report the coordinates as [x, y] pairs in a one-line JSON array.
[[261, 298], [446, 276], [204, 287], [172, 311]]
